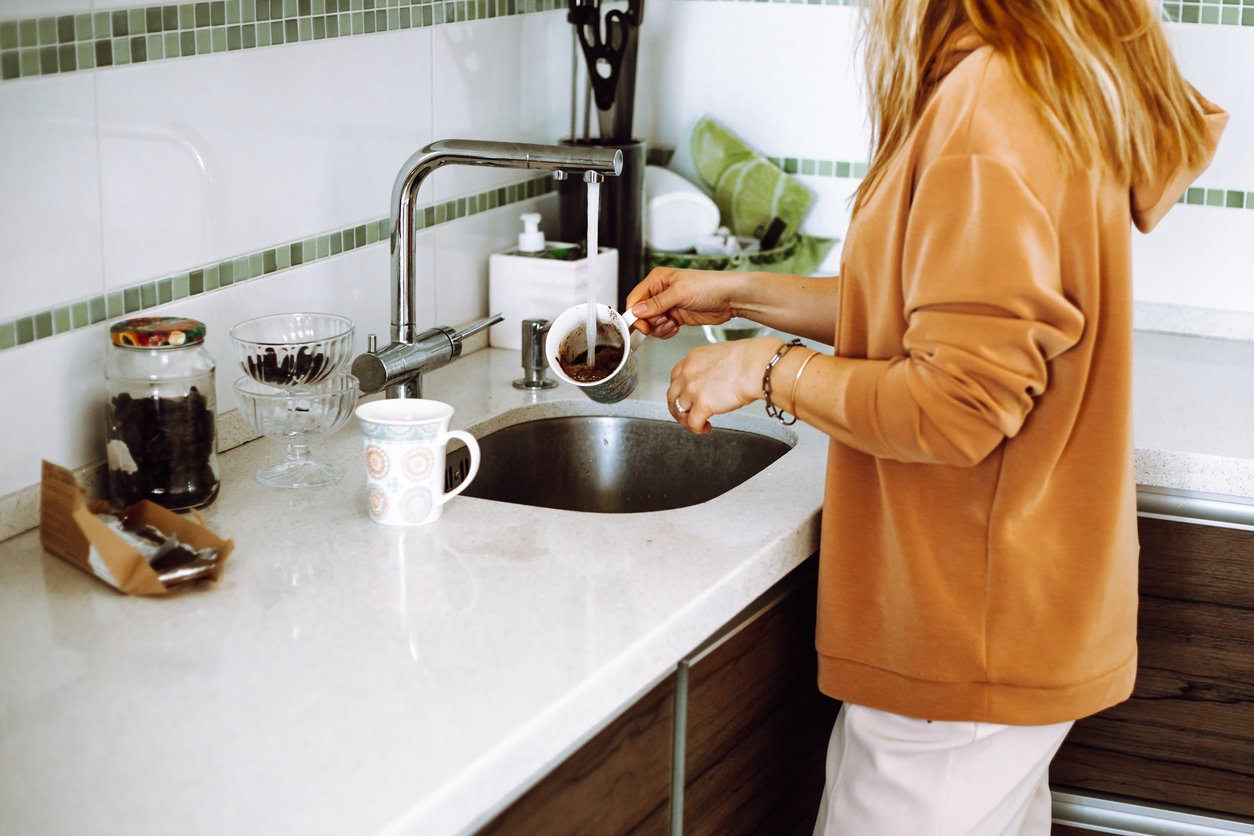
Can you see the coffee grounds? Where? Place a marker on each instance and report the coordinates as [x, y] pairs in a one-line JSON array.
[[306, 366], [607, 359], [171, 443]]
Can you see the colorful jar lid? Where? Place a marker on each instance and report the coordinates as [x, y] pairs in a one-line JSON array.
[[157, 332]]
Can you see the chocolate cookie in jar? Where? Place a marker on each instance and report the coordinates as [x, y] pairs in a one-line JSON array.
[[162, 440]]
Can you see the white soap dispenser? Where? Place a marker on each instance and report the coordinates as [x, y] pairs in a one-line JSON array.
[[539, 279], [531, 239]]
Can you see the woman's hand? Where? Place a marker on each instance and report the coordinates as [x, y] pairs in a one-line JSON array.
[[718, 378], [668, 298]]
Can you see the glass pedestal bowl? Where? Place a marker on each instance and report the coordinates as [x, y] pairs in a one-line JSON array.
[[293, 349], [297, 415]]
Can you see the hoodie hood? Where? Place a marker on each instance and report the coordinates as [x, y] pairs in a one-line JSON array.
[[958, 45], [1153, 199]]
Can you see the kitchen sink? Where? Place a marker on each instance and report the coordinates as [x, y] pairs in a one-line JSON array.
[[614, 464]]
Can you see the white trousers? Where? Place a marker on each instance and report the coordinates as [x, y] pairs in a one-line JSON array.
[[889, 775]]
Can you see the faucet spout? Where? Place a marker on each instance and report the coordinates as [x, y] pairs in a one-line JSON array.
[[604, 161], [400, 379]]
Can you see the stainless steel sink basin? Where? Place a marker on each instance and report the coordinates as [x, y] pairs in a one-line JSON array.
[[612, 464]]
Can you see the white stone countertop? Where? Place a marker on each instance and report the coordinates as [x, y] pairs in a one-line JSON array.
[[1193, 415], [344, 677]]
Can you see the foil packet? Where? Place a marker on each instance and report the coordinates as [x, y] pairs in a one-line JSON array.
[[142, 550]]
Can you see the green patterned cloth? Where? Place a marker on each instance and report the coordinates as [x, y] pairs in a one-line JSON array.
[[799, 255], [751, 191]]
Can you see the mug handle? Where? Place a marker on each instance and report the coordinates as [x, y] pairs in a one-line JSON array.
[[473, 446], [628, 319]]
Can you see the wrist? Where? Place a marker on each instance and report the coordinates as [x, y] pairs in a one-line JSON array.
[[742, 295], [774, 387]]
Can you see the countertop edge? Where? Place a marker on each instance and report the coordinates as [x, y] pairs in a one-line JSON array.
[[602, 699]]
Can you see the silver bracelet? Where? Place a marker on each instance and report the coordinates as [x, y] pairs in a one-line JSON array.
[[771, 409]]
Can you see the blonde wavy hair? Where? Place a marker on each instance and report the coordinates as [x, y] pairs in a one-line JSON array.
[[1100, 71]]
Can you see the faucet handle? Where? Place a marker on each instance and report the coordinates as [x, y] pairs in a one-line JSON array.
[[534, 362], [474, 328]]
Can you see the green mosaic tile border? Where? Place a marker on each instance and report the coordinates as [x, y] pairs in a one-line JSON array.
[[69, 43], [1214, 12], [206, 278], [820, 168], [1220, 198], [1194, 196]]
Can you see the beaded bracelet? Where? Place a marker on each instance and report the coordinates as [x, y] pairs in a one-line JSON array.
[[771, 409]]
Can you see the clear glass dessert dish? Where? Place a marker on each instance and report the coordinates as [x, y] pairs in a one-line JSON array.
[[297, 416], [293, 349]]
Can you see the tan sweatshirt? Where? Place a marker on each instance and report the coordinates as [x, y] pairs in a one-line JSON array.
[[979, 544]]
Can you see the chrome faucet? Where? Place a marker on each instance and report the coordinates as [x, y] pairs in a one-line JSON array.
[[399, 366]]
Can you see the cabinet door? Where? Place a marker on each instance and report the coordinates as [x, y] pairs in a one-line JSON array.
[[1186, 737], [619, 782], [757, 726]]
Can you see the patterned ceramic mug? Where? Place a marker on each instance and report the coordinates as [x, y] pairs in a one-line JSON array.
[[405, 440]]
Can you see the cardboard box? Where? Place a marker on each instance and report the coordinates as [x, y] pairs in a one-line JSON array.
[[70, 529]]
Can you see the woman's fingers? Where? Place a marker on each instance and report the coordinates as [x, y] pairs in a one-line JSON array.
[[684, 297], [714, 379], [657, 305]]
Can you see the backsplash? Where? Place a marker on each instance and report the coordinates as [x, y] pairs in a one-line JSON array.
[[794, 95], [207, 278], [87, 40], [221, 183], [224, 159]]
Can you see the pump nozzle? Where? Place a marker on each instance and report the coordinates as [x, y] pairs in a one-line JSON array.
[[531, 239]]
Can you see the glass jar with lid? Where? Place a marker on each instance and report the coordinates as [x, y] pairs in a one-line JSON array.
[[162, 440]]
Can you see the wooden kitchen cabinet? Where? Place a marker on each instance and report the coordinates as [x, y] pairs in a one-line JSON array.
[[757, 726], [1186, 736], [617, 783], [755, 735]]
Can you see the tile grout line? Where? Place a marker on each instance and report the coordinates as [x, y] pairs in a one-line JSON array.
[[1187, 12], [133, 299], [1209, 196], [44, 46], [94, 309]]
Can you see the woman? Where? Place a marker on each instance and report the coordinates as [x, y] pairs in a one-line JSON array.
[[978, 567]]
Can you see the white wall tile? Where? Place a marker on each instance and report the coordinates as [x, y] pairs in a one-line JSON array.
[[461, 256], [1198, 256], [505, 79], [795, 92], [49, 196], [227, 154], [829, 217], [56, 405], [1204, 256], [1219, 62]]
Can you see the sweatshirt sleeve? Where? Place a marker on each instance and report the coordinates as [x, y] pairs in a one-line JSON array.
[[985, 312]]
